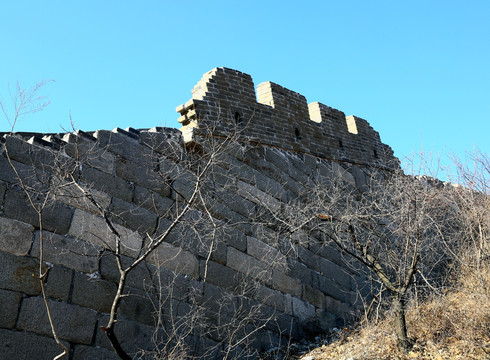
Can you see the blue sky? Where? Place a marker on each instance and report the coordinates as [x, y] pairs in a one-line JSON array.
[[418, 71]]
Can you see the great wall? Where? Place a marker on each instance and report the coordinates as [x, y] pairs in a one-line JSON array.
[[223, 261]]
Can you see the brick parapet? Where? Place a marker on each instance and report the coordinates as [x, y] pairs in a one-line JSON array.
[[224, 101]]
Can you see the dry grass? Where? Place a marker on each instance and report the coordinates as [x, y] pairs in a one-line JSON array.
[[451, 325]]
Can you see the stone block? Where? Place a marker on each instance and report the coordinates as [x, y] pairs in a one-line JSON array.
[[83, 148], [308, 258], [121, 144], [340, 172], [158, 204], [78, 196], [249, 266], [64, 250], [15, 236], [29, 154], [325, 320], [139, 277], [143, 173], [165, 141], [232, 237], [10, 301], [94, 229], [84, 352], [328, 286], [106, 183], [72, 322], [274, 299], [338, 274], [286, 284], [32, 177], [58, 283], [93, 293], [195, 236], [132, 216], [299, 271], [137, 306], [132, 336], [56, 217], [22, 345], [266, 254], [360, 177], [314, 296], [19, 274], [327, 251], [337, 307], [175, 259], [3, 188], [222, 276], [303, 310]]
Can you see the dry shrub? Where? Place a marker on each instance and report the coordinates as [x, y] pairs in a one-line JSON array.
[[452, 325]]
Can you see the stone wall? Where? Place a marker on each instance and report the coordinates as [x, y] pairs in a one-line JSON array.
[[226, 268]]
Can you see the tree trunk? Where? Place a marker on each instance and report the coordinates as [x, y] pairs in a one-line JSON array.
[[400, 324]]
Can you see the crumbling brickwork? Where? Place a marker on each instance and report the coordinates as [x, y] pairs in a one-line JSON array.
[[138, 177]]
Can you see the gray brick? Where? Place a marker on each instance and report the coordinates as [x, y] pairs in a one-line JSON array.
[[164, 142], [16, 236], [325, 320], [313, 296], [336, 273], [274, 298], [73, 323], [159, 204], [56, 216], [84, 352], [195, 237], [58, 284], [220, 275], [139, 277], [137, 306], [29, 154], [93, 293], [328, 286], [10, 301], [93, 229], [266, 254], [19, 274], [175, 259], [299, 271], [303, 310], [121, 144], [286, 284], [107, 183], [3, 188], [132, 335], [31, 177], [133, 216], [249, 266], [88, 153], [22, 345], [70, 252], [70, 193], [143, 173]]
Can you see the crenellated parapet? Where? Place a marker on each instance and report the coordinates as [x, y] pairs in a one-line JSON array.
[[224, 101]]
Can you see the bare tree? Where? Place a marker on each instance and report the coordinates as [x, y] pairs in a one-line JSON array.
[[394, 225]]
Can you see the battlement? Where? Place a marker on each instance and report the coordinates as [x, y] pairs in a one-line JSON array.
[[225, 101]]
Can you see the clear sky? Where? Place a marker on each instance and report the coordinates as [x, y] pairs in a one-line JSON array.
[[418, 71]]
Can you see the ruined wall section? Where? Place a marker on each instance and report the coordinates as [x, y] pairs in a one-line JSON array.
[[224, 101], [298, 286]]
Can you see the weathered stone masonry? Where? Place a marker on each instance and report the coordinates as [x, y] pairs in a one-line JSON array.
[[288, 145]]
